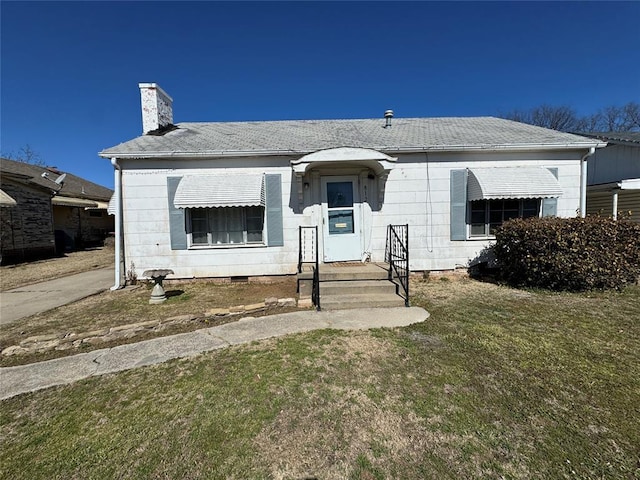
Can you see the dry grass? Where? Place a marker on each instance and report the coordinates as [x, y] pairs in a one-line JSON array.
[[122, 307], [13, 276], [339, 421], [498, 383]]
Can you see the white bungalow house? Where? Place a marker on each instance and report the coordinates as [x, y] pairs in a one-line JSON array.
[[227, 199]]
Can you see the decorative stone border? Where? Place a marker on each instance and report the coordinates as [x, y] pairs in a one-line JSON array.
[[68, 341]]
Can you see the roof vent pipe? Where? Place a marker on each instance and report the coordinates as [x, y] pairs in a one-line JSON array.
[[388, 115]]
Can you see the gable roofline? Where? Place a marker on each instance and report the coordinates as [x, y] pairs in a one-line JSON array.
[[73, 185], [301, 137], [26, 180]]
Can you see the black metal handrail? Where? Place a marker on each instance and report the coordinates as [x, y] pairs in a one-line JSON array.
[[397, 256], [315, 293], [308, 253]]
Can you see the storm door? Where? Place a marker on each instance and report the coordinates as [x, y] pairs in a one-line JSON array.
[[341, 219]]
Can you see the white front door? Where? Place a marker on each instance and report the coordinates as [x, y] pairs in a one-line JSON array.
[[341, 219]]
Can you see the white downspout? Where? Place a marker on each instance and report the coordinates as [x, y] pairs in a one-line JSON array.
[[583, 181], [615, 204], [117, 180]]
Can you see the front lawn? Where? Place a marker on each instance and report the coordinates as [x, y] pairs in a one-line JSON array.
[[114, 309], [497, 383]]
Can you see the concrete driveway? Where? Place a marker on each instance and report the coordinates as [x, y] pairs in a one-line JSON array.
[[25, 301]]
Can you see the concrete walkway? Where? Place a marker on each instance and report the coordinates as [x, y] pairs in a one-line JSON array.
[[26, 301], [61, 371]]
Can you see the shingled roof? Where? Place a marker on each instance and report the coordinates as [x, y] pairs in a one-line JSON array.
[[615, 137], [73, 186], [291, 137]]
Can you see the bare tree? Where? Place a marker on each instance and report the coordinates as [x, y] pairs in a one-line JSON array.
[[590, 123], [521, 116], [612, 119], [563, 118], [631, 113], [26, 154]]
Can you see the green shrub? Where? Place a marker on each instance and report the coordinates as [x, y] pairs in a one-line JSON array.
[[569, 253]]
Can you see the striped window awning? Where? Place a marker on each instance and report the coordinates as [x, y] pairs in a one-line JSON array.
[[6, 200], [99, 206], [111, 207], [512, 182], [73, 202], [206, 191]]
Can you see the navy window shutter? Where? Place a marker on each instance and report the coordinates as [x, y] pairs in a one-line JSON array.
[[458, 207], [176, 217], [273, 200], [550, 205]]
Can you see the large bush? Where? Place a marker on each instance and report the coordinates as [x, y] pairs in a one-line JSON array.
[[569, 253]]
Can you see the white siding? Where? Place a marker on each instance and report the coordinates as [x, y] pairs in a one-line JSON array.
[[415, 182], [417, 193], [146, 226]]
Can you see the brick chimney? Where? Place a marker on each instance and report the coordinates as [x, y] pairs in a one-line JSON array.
[[157, 107]]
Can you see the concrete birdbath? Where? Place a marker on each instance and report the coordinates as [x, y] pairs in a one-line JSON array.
[[157, 275]]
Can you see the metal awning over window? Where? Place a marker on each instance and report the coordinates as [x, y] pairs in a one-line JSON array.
[[512, 182], [6, 200], [99, 206], [206, 191], [111, 208], [73, 202]]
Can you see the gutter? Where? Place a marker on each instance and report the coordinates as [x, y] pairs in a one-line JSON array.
[[583, 181], [117, 180], [431, 148], [625, 184]]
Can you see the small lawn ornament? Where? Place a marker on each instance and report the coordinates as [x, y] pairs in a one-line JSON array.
[[157, 275]]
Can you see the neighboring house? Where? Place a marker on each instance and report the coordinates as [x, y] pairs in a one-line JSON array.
[[614, 176], [53, 212], [227, 199], [80, 213], [27, 222]]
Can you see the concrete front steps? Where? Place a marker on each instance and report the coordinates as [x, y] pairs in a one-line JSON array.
[[354, 285], [346, 294]]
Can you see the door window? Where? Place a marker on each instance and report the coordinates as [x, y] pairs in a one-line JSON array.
[[340, 222], [340, 207], [339, 194]]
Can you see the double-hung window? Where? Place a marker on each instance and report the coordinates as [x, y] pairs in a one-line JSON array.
[[226, 225], [487, 215]]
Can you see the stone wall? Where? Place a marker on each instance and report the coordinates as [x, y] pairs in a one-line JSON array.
[[26, 228]]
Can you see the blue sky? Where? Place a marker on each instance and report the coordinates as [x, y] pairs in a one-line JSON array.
[[70, 71]]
